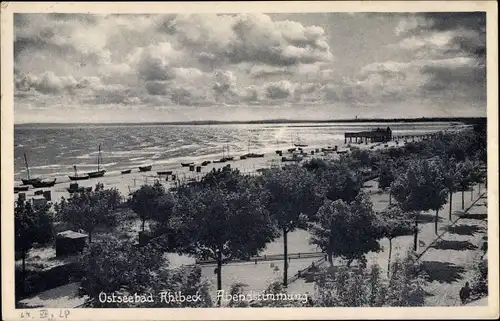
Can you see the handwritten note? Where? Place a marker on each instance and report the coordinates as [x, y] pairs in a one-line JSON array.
[[45, 314]]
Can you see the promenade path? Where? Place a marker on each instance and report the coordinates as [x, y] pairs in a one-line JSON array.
[[448, 260]]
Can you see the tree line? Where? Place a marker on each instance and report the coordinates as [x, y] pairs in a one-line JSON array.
[[228, 215]]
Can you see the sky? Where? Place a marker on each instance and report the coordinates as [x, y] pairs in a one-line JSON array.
[[165, 67]]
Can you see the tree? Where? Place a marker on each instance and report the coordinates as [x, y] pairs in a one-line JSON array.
[[451, 179], [433, 171], [316, 164], [466, 178], [386, 177], [87, 209], [225, 178], [290, 193], [347, 230], [394, 223], [162, 227], [114, 266], [340, 182], [112, 195], [144, 201], [405, 286], [222, 225], [477, 177], [417, 190], [32, 224], [361, 156]]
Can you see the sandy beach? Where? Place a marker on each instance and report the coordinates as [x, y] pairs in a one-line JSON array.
[[126, 183]]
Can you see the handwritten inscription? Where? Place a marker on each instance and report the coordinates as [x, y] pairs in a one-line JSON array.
[[45, 314]]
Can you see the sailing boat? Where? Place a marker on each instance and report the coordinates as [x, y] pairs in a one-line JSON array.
[[29, 180], [229, 158], [278, 151], [223, 159], [100, 172], [299, 144], [252, 155], [78, 177], [291, 150]]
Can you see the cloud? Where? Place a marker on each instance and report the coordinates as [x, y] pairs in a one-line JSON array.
[[264, 71], [47, 83], [248, 38], [444, 34], [448, 51], [279, 90], [247, 59]]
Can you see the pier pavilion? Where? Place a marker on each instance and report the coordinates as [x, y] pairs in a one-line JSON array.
[[376, 135]]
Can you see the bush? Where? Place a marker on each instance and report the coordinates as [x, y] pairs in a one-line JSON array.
[[42, 280], [363, 287], [479, 284]]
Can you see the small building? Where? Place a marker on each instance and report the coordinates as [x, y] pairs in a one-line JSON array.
[[376, 135], [70, 242], [39, 201]]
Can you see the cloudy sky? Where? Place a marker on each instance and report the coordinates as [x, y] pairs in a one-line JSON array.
[[132, 68]]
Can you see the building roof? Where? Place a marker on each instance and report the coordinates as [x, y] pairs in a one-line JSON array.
[[71, 235]]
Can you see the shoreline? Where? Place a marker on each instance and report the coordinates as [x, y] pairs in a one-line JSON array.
[[127, 183]]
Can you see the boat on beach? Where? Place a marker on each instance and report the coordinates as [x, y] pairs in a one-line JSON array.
[[145, 168], [279, 152], [29, 180], [205, 163], [44, 183], [164, 173], [254, 155], [299, 143], [251, 155], [127, 171], [77, 177], [99, 172], [20, 188], [224, 158], [187, 164], [228, 158]]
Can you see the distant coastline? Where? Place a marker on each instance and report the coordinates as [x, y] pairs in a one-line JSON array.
[[465, 120]]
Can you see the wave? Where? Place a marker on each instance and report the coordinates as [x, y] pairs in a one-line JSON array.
[[135, 158], [46, 166], [94, 165]]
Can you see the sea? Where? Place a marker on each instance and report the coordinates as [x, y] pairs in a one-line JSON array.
[[53, 150]]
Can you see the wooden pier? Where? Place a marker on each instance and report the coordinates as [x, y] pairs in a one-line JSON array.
[[384, 135]]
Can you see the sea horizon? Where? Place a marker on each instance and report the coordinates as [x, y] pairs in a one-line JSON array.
[[270, 121]]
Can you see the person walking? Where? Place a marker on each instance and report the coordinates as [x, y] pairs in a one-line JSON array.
[[465, 293]]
